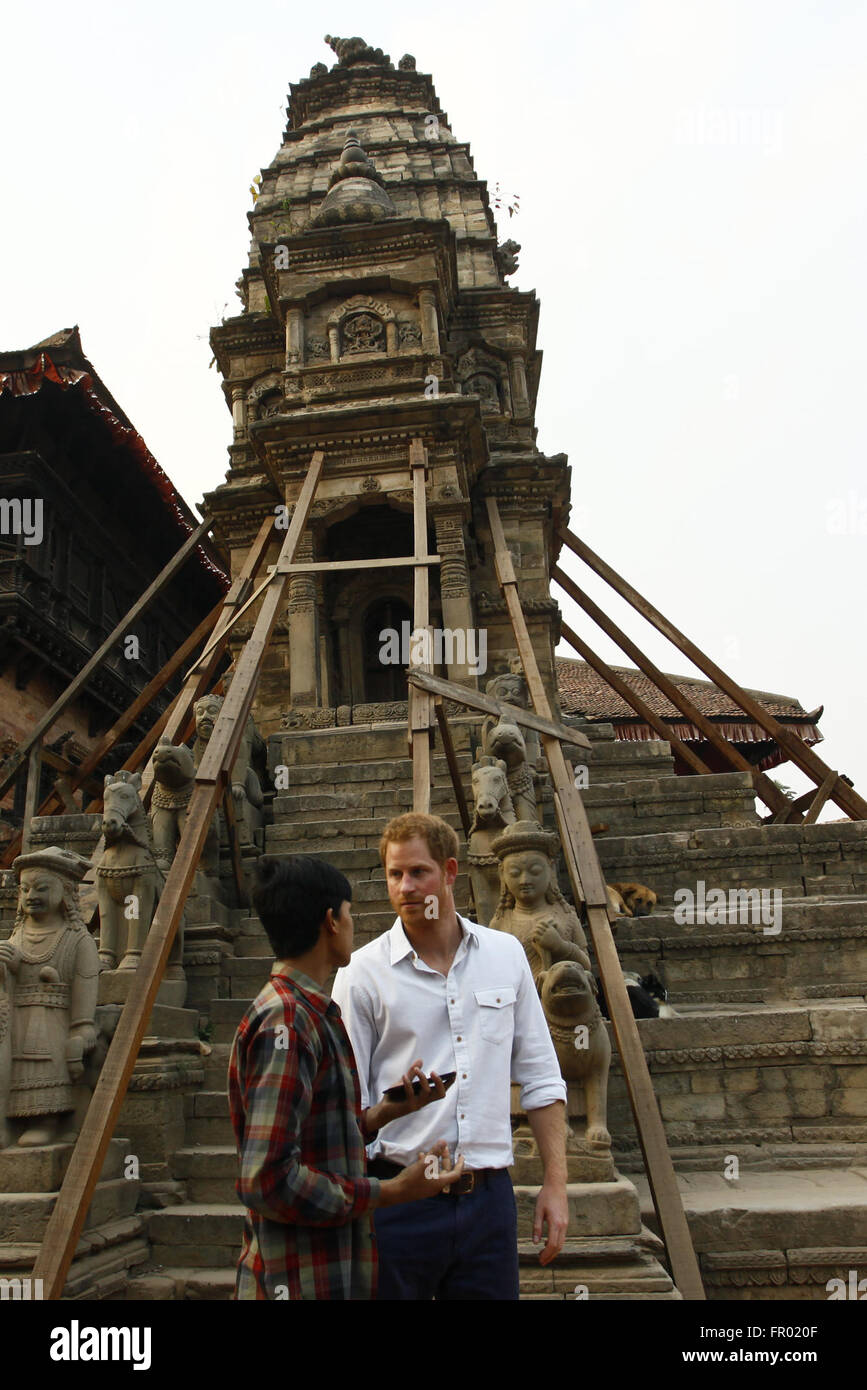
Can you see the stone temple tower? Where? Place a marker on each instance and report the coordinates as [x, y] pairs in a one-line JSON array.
[[377, 311]]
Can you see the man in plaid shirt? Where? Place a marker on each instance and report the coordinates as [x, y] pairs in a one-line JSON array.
[[296, 1108]]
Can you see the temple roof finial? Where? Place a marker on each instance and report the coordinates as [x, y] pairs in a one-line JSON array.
[[350, 51]]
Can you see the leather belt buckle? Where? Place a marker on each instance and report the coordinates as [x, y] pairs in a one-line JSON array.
[[463, 1185]]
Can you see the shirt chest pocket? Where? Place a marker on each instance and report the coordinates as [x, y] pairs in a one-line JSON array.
[[496, 1013]]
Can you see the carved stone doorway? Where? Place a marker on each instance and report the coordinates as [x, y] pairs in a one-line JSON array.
[[385, 680]]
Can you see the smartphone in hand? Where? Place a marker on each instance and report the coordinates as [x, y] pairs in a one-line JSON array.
[[398, 1092]]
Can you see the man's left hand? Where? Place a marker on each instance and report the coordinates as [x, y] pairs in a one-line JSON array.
[[552, 1210], [384, 1111]]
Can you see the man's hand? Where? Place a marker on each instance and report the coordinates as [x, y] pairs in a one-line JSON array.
[[386, 1110], [548, 1124], [430, 1173], [552, 1209]]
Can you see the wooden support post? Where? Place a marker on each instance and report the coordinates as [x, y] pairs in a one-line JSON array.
[[234, 842], [771, 795], [70, 1210], [31, 796], [588, 883], [78, 683], [420, 711], [79, 775], [679, 749], [474, 699], [451, 759], [843, 792], [820, 798], [199, 676], [454, 773]]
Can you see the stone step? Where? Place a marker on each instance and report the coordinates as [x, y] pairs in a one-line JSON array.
[[209, 1171], [827, 859], [24, 1215], [367, 926], [217, 1066], [652, 805], [774, 1235], [177, 1285], [757, 1158], [338, 837], [347, 768], [225, 1015], [208, 1121], [748, 1075], [761, 950], [197, 1235], [346, 802]]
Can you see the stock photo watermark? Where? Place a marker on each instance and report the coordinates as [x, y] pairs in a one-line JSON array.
[[731, 127], [22, 517], [439, 646], [846, 516], [714, 907]]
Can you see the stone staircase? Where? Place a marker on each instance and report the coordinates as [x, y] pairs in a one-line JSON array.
[[766, 1062]]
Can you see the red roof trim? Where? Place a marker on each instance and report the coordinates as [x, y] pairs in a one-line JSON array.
[[31, 380]]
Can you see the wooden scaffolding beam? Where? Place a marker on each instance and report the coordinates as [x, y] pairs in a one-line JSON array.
[[843, 793], [70, 1210], [681, 751], [770, 794], [168, 572], [588, 884], [420, 703]]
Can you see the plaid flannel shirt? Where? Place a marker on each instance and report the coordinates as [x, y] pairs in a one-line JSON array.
[[296, 1111]]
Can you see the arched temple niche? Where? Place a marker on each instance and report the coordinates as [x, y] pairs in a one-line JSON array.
[[364, 326], [481, 373]]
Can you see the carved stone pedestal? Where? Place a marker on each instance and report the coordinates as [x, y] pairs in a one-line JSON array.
[[115, 985], [608, 1253], [171, 1060], [113, 1241]]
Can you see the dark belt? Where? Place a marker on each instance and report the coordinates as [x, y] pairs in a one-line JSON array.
[[461, 1187]]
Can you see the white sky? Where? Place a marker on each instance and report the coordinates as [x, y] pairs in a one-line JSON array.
[[692, 185]]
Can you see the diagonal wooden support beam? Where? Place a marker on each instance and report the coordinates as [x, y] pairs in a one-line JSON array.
[[488, 704], [85, 1164], [585, 873], [80, 774], [199, 676], [168, 572], [843, 792], [679, 749], [771, 795]]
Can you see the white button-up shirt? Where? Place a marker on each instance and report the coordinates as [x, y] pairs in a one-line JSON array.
[[483, 1020]]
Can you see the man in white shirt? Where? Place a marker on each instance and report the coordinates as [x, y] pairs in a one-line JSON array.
[[462, 997]]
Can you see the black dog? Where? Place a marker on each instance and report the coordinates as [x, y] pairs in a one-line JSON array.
[[646, 994]]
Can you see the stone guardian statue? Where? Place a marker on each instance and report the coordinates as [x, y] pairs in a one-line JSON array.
[[49, 971], [532, 908]]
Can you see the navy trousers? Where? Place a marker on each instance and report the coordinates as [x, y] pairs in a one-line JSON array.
[[451, 1248]]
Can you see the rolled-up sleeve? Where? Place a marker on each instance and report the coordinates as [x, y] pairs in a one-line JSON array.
[[534, 1062]]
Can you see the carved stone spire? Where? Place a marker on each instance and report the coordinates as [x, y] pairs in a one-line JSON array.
[[354, 164], [356, 190]]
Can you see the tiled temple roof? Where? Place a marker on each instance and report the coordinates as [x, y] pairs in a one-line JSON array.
[[584, 692]]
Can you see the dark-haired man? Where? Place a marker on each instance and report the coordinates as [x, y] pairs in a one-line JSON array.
[[294, 1098], [463, 995]]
